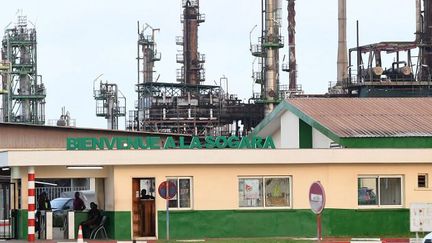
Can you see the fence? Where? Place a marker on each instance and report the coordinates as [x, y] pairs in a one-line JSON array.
[[55, 192]]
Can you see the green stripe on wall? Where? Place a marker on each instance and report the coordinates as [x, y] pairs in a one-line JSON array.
[[118, 225], [389, 142], [305, 135], [288, 223], [22, 217]]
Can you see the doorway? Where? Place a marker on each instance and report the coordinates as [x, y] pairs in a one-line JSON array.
[[143, 207]]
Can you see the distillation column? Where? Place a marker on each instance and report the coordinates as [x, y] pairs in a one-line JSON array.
[[272, 43], [24, 93], [192, 72], [147, 54]]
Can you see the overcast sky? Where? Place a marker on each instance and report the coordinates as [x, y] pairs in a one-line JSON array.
[[81, 39]]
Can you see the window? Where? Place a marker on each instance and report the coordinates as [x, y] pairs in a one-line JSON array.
[[422, 180], [184, 191], [380, 191], [265, 192]]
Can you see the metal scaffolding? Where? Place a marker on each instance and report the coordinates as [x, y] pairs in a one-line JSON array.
[[188, 107], [110, 103], [267, 52], [22, 90]]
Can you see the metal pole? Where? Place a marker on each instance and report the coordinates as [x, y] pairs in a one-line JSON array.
[[319, 227], [358, 54], [167, 211]]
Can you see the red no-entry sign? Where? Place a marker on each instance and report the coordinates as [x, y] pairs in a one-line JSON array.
[[317, 197], [167, 190], [317, 202]]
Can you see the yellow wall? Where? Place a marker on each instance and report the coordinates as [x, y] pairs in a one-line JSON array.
[[216, 186], [215, 172]]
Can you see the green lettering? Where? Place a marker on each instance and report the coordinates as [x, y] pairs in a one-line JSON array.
[[244, 143], [71, 144], [219, 140], [233, 142], [81, 143], [153, 142], [98, 143], [269, 143], [133, 142], [121, 143], [210, 142], [169, 143], [141, 143], [108, 142], [257, 142], [195, 143], [182, 144], [85, 143]]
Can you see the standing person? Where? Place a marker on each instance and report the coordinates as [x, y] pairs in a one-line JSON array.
[[93, 219], [43, 204], [78, 203]]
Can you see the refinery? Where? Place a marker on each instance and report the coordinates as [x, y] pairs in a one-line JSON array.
[[268, 120], [186, 103]]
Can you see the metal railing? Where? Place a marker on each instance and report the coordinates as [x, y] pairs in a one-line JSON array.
[[55, 192]]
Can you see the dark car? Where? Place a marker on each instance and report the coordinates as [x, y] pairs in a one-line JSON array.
[[60, 206], [366, 196]]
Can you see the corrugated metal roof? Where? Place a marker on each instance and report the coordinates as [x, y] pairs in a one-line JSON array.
[[370, 117]]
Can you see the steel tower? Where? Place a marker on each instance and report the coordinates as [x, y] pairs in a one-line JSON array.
[[22, 90]]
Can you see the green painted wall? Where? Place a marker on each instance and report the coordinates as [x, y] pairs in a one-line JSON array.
[[305, 135], [79, 217], [291, 223], [22, 218], [390, 142], [119, 225]]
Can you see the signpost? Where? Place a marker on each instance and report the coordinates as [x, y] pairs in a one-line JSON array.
[[420, 218], [317, 202], [167, 190]]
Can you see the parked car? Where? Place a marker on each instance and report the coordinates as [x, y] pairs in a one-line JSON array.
[[60, 206], [366, 196]]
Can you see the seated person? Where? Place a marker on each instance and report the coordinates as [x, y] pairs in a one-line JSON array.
[[78, 203], [93, 220], [144, 195]]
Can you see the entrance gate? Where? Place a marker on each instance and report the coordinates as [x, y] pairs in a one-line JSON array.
[[8, 211]]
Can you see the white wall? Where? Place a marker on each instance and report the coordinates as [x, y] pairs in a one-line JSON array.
[[320, 140], [289, 130], [276, 136]]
